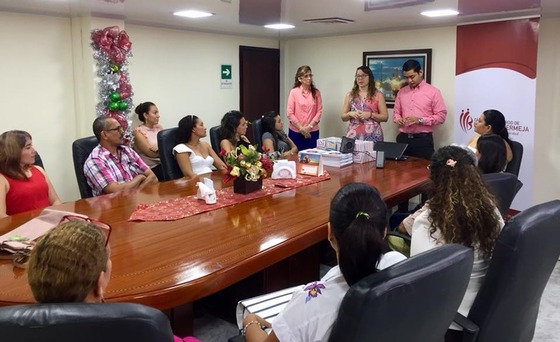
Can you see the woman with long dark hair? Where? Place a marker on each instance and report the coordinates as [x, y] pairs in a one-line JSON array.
[[195, 157], [491, 153], [274, 139], [233, 128], [357, 227], [492, 121]]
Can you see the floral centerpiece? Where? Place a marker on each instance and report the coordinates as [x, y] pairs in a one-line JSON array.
[[246, 167]]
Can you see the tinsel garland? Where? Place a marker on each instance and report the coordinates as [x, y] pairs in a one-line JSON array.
[[111, 51]]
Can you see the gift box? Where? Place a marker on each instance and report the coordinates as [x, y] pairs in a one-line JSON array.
[[329, 144]]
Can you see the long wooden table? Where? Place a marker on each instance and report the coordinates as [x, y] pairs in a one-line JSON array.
[[168, 264]]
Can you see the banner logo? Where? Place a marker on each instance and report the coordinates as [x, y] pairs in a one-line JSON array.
[[465, 120]]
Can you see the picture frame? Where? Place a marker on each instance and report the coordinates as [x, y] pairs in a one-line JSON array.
[[387, 69]]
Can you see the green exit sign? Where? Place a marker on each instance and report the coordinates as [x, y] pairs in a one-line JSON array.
[[226, 72]]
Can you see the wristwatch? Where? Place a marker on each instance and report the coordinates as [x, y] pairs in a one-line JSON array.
[[421, 121]]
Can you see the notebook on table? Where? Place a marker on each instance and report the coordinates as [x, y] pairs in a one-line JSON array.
[[392, 150]]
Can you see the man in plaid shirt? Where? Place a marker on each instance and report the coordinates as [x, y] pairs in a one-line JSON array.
[[112, 166]]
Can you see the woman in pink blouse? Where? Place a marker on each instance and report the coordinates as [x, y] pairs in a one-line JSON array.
[[304, 110], [145, 136]]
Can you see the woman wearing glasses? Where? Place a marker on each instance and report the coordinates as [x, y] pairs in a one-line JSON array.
[[72, 264], [232, 131], [304, 111], [195, 157], [23, 186], [365, 108], [145, 136]]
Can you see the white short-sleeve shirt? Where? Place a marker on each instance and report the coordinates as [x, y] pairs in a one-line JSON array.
[[311, 312], [421, 241]]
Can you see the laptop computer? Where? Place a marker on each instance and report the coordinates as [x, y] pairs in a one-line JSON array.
[[392, 150]]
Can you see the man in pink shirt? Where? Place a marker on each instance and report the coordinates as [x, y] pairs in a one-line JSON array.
[[418, 109]]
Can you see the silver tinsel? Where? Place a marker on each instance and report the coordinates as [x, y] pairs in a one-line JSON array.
[[110, 82]]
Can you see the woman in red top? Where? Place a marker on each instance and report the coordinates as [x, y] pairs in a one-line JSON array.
[[23, 186]]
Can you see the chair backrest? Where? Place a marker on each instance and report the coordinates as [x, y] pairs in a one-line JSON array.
[[504, 187], [414, 300], [256, 128], [167, 139], [84, 322], [215, 139], [526, 252], [81, 150], [38, 160], [515, 164]]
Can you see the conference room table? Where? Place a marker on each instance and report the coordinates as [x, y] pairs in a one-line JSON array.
[[169, 264]]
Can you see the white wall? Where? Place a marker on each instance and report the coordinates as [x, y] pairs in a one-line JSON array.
[[37, 92], [546, 170], [180, 71], [334, 60]]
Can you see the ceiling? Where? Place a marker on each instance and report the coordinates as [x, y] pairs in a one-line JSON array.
[[246, 17]]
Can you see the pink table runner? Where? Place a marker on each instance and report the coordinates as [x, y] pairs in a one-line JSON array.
[[179, 208]]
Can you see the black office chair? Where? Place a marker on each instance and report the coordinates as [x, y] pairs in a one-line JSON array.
[[504, 187], [515, 164], [215, 139], [414, 300], [81, 150], [257, 130], [38, 160], [526, 252], [167, 139], [69, 322]]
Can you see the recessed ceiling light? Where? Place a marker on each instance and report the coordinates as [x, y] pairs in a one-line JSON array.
[[193, 14], [440, 13], [279, 26]]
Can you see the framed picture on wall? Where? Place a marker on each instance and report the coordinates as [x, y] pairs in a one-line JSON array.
[[387, 69]]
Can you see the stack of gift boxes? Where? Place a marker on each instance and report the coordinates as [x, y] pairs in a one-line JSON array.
[[363, 150]]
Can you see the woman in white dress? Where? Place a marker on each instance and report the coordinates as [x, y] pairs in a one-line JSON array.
[[357, 227], [195, 157]]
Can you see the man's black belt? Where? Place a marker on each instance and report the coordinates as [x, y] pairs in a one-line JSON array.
[[417, 135]]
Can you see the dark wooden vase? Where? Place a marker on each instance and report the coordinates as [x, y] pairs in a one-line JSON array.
[[243, 186]]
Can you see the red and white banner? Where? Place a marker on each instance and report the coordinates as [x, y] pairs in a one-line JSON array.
[[496, 68]]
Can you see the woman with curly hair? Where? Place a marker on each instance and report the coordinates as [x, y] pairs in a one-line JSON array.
[[233, 128], [466, 214]]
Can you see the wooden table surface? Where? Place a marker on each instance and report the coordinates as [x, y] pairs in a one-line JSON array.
[[168, 264]]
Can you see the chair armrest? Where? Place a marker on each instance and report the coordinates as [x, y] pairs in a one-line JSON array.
[[470, 330], [405, 237], [238, 338]]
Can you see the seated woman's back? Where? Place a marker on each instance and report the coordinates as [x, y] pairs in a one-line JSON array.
[[357, 227], [466, 213]]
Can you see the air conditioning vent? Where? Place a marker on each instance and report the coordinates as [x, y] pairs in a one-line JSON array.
[[332, 20], [371, 5]]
